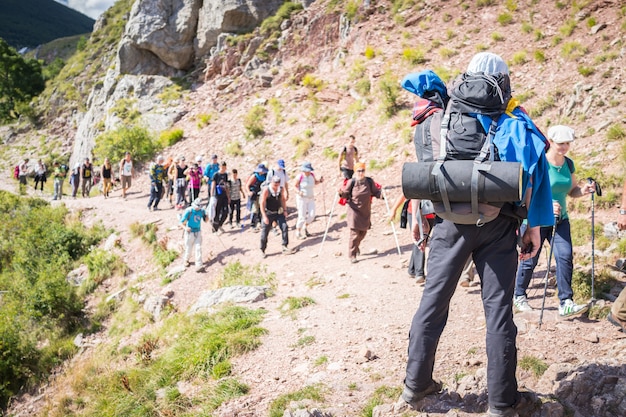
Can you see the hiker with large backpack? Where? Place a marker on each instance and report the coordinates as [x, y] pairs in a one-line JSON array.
[[483, 133], [254, 185], [563, 182], [359, 192]]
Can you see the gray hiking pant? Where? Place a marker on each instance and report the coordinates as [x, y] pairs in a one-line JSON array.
[[493, 248]]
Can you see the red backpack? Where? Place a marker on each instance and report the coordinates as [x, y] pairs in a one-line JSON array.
[[16, 172]]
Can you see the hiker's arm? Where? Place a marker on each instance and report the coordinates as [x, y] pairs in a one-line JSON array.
[[578, 191], [531, 240], [394, 210], [420, 237], [262, 204], [340, 159], [284, 203], [621, 220]]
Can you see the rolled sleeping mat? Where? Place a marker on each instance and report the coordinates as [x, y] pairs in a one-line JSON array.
[[498, 181]]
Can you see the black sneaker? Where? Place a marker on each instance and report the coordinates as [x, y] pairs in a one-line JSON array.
[[527, 403], [414, 398]]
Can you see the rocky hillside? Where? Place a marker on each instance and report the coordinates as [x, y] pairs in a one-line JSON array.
[[295, 88]]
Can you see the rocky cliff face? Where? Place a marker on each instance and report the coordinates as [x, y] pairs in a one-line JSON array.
[[164, 38]]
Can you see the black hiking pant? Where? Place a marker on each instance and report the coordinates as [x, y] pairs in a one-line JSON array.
[[493, 249], [235, 209], [265, 228], [221, 213], [156, 191]]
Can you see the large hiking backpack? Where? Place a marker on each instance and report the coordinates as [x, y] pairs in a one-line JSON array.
[[466, 167], [16, 172]]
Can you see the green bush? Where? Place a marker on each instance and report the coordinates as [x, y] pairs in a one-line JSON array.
[[134, 139], [414, 56], [253, 122], [272, 23], [170, 137], [390, 92], [38, 247]]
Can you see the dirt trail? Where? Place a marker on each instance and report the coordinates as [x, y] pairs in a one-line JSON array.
[[359, 307]]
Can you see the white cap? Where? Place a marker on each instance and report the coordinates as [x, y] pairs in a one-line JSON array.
[[561, 134], [199, 158], [488, 63]]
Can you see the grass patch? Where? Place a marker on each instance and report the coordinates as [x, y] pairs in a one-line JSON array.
[[322, 360], [380, 396], [291, 304], [311, 392], [330, 153], [101, 265], [534, 365], [253, 122], [203, 120], [194, 349], [233, 148], [305, 341], [615, 132], [414, 56], [170, 137], [235, 273]]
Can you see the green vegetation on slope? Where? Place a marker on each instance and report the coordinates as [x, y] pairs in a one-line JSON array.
[[34, 22], [40, 312]]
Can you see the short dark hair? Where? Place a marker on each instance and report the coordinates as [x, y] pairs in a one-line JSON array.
[[234, 170], [224, 163]]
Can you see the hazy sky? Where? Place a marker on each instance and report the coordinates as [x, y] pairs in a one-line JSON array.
[[91, 8]]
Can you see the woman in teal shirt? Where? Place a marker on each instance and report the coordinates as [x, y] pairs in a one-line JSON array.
[[563, 183]]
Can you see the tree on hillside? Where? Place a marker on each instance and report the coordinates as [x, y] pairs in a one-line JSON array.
[[20, 80]]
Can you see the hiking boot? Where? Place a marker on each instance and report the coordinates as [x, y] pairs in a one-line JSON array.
[[276, 231], [414, 398], [187, 264], [617, 322], [286, 250], [420, 279], [527, 403], [521, 303], [569, 308], [263, 254], [353, 260]]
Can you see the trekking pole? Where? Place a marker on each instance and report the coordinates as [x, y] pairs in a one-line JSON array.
[[393, 227], [324, 196], [597, 190], [545, 285], [330, 216]]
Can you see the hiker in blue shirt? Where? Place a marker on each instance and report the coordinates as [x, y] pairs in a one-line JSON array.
[[493, 248], [209, 171], [191, 220]]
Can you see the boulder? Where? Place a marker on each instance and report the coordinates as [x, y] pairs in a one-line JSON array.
[[159, 33], [236, 16]]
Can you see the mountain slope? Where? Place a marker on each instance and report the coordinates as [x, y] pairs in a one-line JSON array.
[[28, 23]]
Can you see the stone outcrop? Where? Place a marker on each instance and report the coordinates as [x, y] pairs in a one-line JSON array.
[[141, 92], [159, 37], [162, 39], [167, 36]]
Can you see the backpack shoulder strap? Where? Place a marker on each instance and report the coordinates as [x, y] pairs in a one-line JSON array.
[[570, 164]]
